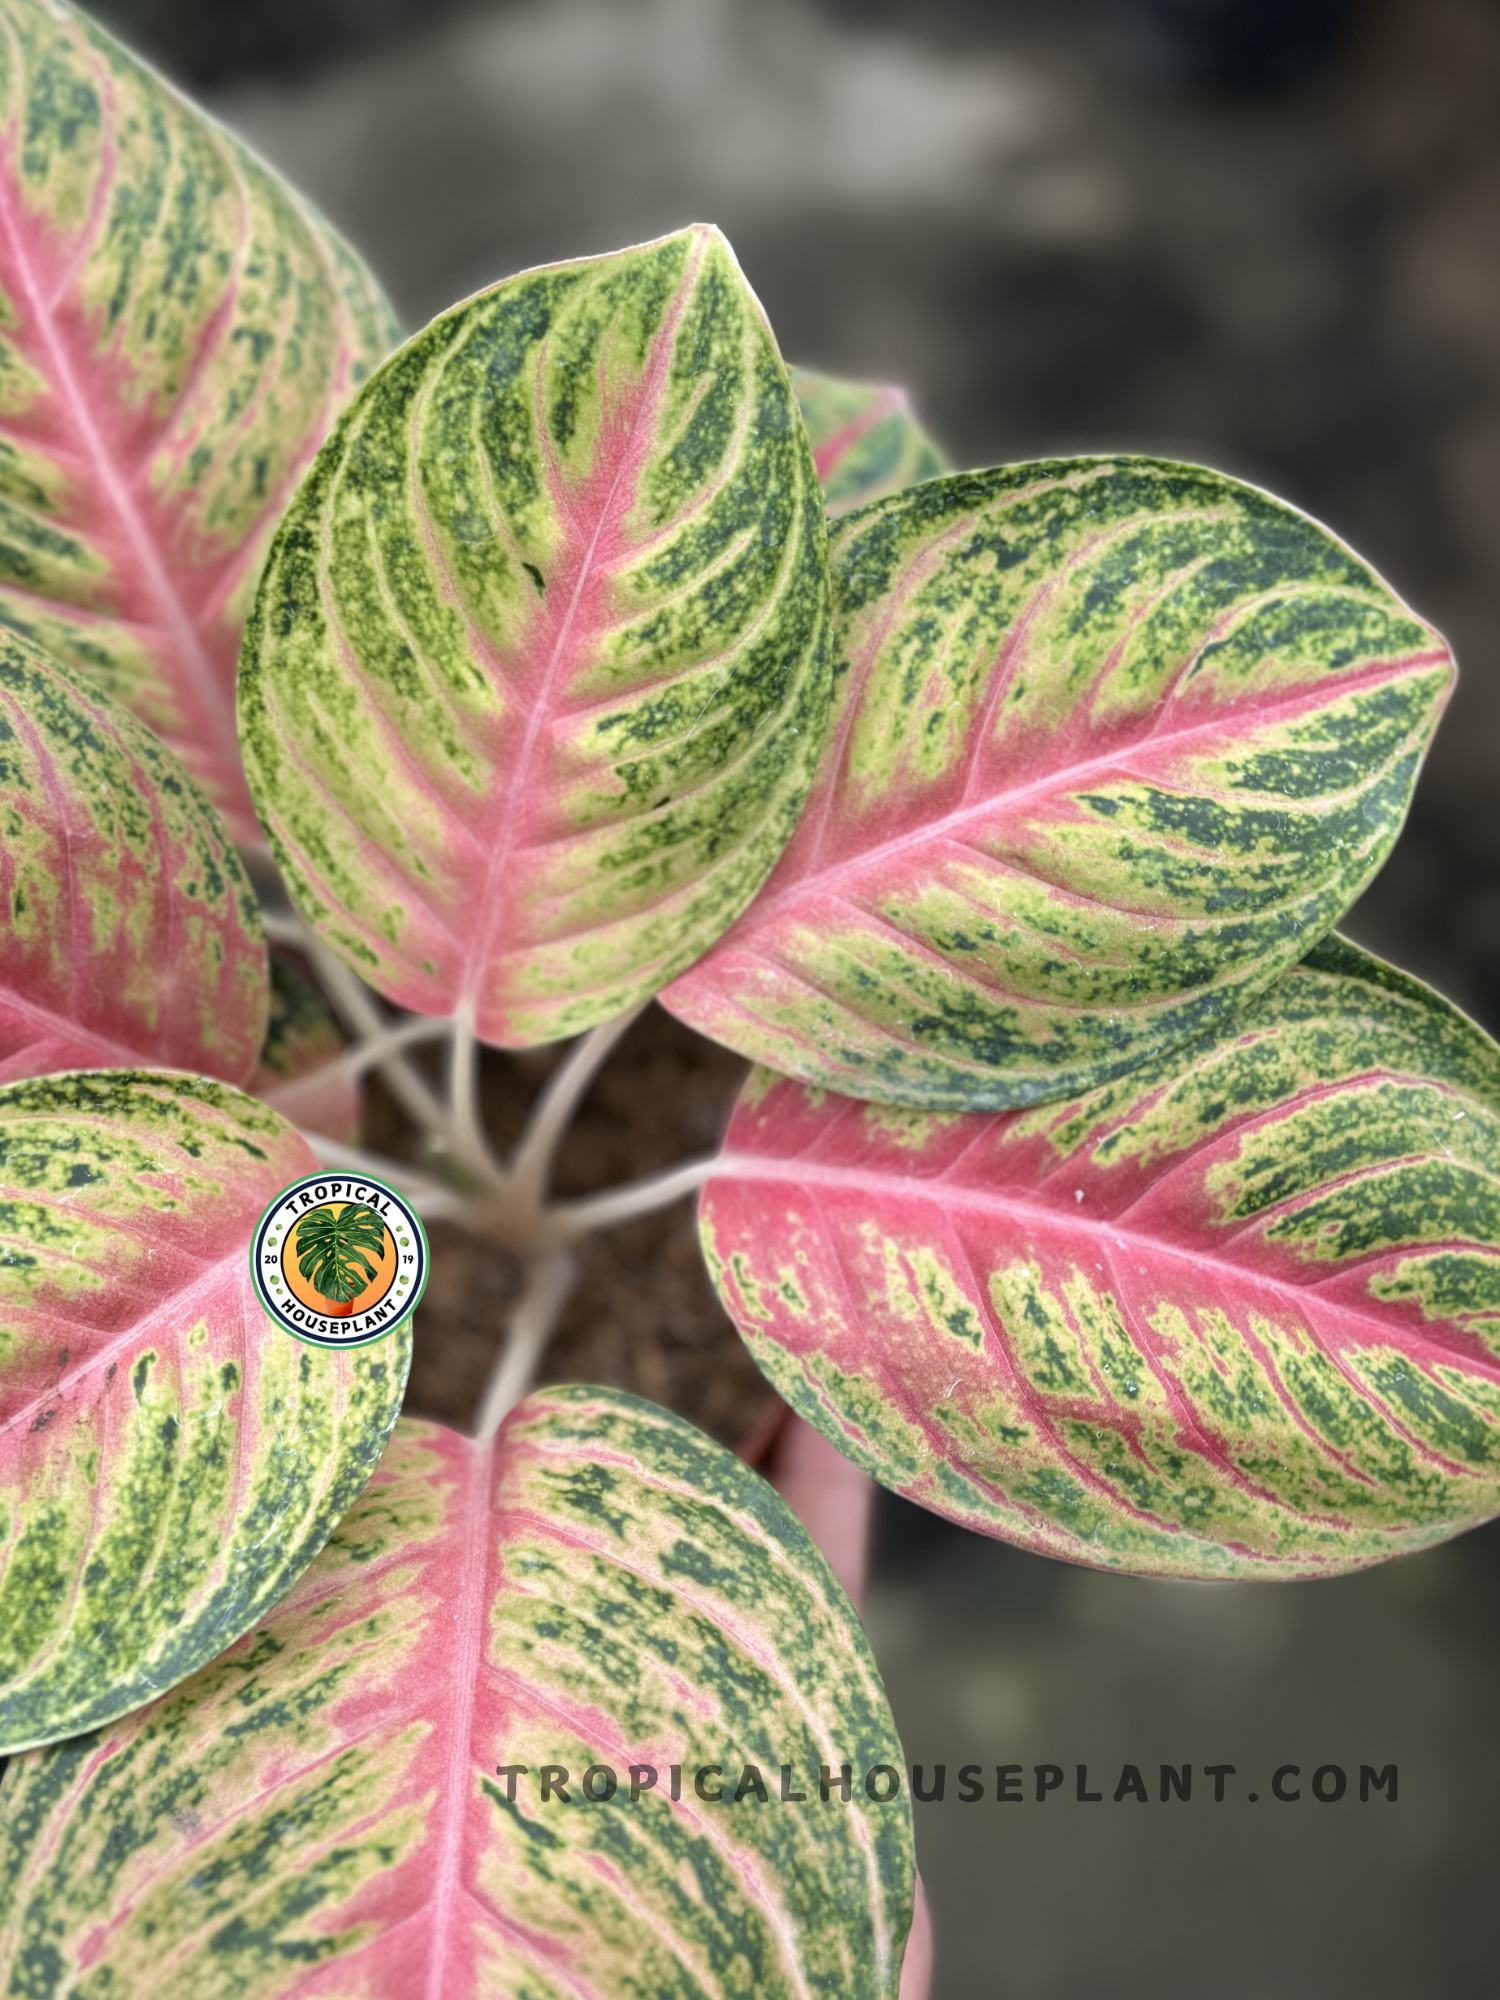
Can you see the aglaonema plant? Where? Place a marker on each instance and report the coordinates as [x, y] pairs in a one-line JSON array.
[[1086, 1189]]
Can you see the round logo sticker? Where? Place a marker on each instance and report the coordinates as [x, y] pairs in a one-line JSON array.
[[339, 1261]]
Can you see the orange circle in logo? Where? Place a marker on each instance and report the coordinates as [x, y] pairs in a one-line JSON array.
[[302, 1289]]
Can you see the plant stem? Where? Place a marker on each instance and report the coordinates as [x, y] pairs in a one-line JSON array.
[[601, 1211], [283, 929], [348, 996], [549, 1279], [366, 1054], [471, 1148], [428, 1197], [532, 1163], [512, 1209]]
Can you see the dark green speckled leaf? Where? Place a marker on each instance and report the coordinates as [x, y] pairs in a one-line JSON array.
[[319, 1812], [170, 1461], [128, 927], [535, 683], [1115, 741], [177, 332]]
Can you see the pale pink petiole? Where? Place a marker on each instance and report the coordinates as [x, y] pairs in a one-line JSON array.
[[549, 1280], [555, 1107]]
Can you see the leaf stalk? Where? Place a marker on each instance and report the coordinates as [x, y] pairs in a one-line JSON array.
[[549, 1280], [510, 1208]]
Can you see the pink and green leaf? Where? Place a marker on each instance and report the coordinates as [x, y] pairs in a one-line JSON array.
[[130, 931], [177, 333], [320, 1810], [170, 1461], [1234, 1314], [536, 679], [1114, 742], [866, 442], [865, 439]]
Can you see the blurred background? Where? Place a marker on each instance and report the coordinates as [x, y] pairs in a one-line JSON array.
[[1263, 234]]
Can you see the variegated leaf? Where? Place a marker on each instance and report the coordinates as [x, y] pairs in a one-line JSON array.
[[299, 1070], [537, 676], [170, 1461], [131, 933], [866, 442], [177, 331], [1116, 741], [321, 1810], [1235, 1314]]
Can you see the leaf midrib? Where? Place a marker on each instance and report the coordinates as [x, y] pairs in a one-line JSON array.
[[946, 1196], [167, 1316], [764, 911], [175, 622], [479, 954], [471, 1527]]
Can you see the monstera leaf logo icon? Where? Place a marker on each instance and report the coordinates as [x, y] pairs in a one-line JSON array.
[[335, 1247]]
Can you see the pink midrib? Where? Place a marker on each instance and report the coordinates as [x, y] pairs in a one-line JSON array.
[[473, 1530], [86, 1048], [823, 874], [172, 618], [602, 550], [734, 1167]]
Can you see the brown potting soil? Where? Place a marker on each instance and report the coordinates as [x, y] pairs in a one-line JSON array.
[[643, 1315]]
